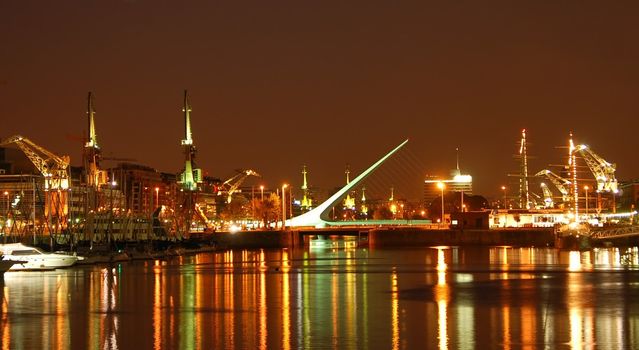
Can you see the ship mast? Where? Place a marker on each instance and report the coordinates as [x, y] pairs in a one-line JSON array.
[[572, 168], [524, 195]]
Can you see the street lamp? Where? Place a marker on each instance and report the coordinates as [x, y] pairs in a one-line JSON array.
[[284, 206], [503, 188], [6, 194], [113, 184], [262, 192], [441, 186], [157, 196], [6, 215]]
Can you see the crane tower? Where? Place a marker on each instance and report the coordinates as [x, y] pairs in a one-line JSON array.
[[349, 202], [55, 171], [603, 171], [191, 176], [307, 202], [92, 153]]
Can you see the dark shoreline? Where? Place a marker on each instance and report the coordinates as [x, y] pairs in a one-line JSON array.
[[366, 237]]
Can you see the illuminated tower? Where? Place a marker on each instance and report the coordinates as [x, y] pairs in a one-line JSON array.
[[307, 202], [572, 172], [191, 176], [524, 196], [349, 202], [364, 206], [391, 201], [92, 153]]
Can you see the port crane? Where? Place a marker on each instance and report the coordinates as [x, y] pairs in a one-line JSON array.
[[559, 182], [55, 170], [231, 185], [603, 171], [548, 200]]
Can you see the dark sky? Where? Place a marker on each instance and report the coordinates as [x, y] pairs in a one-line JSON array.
[[278, 84]]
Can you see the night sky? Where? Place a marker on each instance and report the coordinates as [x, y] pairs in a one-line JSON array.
[[278, 84]]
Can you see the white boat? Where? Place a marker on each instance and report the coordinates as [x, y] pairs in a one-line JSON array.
[[31, 258]]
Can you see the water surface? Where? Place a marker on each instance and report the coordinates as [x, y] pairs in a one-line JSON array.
[[445, 297]]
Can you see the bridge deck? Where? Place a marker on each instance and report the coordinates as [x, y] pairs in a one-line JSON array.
[[615, 233]]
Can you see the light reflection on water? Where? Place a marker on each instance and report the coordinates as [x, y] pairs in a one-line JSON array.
[[441, 297]]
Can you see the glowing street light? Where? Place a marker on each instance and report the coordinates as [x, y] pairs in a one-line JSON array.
[[6, 194], [262, 192], [157, 196], [441, 186], [503, 188], [284, 186]]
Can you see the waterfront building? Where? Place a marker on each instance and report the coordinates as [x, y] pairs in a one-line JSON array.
[[138, 183], [458, 182], [629, 195], [526, 218]]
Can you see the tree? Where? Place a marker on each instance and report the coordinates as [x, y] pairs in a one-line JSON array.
[[238, 209], [382, 213], [452, 203], [269, 209]]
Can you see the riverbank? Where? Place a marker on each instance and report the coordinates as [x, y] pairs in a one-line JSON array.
[[391, 237], [367, 237], [529, 237]]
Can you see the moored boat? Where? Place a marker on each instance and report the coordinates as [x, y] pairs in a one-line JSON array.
[[25, 257]]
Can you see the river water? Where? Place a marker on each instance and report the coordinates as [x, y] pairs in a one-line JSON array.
[[444, 297]]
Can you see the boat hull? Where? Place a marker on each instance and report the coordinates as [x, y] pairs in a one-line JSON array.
[[40, 264], [29, 258]]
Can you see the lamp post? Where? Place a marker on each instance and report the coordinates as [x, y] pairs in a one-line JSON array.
[[6, 194], [503, 188], [157, 196], [262, 193], [441, 186], [586, 188], [113, 184], [284, 206], [6, 215]]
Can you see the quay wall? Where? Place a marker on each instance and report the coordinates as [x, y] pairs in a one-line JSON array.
[[256, 239], [395, 237], [425, 237]]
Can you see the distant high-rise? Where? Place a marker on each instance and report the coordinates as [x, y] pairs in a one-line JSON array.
[[457, 183]]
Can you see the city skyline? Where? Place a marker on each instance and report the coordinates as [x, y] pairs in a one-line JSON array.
[[277, 86]]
